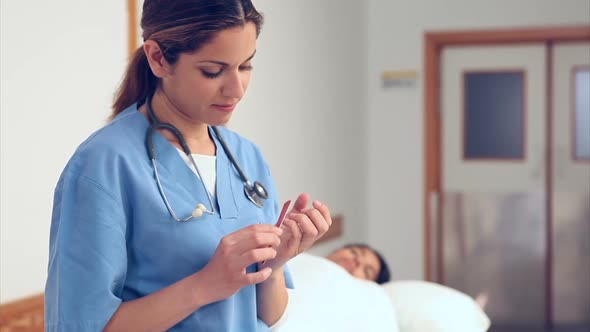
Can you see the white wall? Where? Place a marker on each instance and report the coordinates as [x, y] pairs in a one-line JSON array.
[[61, 62], [395, 116]]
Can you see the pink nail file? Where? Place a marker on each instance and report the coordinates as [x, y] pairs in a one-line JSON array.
[[283, 213], [282, 216]]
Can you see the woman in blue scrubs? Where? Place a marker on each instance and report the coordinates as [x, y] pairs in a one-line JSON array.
[[119, 259]]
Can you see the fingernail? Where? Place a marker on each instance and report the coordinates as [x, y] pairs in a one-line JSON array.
[[317, 203]]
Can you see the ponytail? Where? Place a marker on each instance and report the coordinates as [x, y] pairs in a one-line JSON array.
[[138, 83]]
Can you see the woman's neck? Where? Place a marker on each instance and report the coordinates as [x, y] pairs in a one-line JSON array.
[[196, 133]]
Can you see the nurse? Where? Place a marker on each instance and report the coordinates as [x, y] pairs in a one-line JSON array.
[[119, 259]]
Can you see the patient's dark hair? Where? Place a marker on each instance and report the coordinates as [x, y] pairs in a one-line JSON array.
[[383, 276]]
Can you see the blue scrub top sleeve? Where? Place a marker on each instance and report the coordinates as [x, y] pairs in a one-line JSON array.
[[88, 256]]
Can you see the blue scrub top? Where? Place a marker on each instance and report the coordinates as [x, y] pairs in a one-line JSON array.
[[112, 238]]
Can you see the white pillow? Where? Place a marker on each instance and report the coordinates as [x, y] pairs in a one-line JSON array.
[[429, 307]]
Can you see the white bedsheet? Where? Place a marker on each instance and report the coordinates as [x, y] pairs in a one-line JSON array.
[[327, 298]]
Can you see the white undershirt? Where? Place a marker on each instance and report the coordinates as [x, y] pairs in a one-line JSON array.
[[207, 167]]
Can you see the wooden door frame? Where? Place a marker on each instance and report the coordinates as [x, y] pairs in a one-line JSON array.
[[132, 25], [434, 42]]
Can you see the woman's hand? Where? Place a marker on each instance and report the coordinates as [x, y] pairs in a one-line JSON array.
[[302, 227], [226, 273]]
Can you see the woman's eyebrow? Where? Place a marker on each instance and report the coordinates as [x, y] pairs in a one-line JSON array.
[[221, 63]]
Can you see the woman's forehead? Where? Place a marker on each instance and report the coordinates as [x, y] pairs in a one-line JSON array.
[[233, 45]]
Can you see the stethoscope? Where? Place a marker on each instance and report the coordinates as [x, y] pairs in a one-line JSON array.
[[255, 192]]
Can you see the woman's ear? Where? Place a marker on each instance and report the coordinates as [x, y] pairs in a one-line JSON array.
[[160, 67]]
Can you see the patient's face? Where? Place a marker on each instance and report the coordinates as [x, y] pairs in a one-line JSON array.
[[360, 262]]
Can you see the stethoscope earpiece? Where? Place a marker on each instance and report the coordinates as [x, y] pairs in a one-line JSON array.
[[198, 211]]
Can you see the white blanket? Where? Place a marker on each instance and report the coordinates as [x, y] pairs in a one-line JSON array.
[[327, 298]]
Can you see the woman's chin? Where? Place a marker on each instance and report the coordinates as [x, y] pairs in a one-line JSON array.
[[220, 121]]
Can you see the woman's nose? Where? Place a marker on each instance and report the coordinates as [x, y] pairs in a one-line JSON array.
[[233, 87]]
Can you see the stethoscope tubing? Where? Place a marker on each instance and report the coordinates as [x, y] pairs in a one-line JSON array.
[[256, 192]]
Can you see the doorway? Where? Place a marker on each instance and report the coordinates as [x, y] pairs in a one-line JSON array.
[[507, 178]]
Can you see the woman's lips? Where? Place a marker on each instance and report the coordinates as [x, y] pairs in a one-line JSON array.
[[225, 108]]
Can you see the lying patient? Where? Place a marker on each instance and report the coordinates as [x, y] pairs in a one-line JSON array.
[[362, 261]]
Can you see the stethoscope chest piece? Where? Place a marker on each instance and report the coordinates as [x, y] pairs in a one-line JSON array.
[[256, 193]]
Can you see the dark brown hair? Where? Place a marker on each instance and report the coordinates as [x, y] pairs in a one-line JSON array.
[[178, 26]]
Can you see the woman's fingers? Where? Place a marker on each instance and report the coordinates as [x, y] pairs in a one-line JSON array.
[[300, 203], [256, 255], [324, 210], [226, 269], [308, 230], [294, 241], [257, 277], [311, 225], [318, 221], [252, 237]]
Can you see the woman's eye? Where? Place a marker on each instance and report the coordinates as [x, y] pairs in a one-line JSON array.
[[211, 74], [214, 74]]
